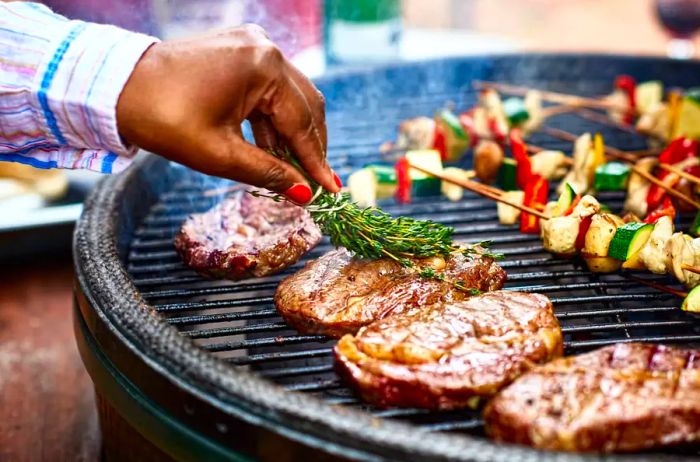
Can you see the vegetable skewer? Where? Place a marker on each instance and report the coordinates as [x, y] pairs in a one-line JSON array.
[[554, 97], [483, 190], [629, 159], [681, 173]]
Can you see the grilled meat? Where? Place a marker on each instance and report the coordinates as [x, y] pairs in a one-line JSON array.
[[246, 236], [337, 294], [448, 356], [624, 397]]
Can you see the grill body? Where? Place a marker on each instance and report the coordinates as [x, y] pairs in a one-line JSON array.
[[206, 370]]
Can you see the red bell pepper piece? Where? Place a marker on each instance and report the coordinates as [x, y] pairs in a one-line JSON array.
[[439, 142], [679, 150], [536, 194], [523, 172], [573, 205], [673, 153], [582, 230], [693, 170], [656, 193], [690, 148], [467, 122], [627, 84], [498, 135], [403, 181], [665, 209]]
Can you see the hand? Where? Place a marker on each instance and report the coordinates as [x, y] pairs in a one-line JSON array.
[[186, 99]]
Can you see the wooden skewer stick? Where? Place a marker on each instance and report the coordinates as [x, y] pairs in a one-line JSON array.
[[691, 268], [630, 159], [662, 185], [554, 97], [679, 172], [662, 288], [603, 119], [607, 120], [483, 190]]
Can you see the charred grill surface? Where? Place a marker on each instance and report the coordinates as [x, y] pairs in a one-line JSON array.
[[625, 397], [237, 322], [337, 294], [448, 356], [246, 236]]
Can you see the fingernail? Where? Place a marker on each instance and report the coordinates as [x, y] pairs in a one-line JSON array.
[[338, 183], [299, 194]]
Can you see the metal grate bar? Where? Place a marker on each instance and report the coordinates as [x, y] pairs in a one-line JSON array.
[[221, 317], [675, 338], [455, 425], [624, 325], [609, 298], [210, 333], [614, 311], [296, 371], [280, 356], [213, 304], [260, 342], [199, 291], [321, 385]]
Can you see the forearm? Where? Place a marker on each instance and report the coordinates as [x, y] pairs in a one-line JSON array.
[[59, 85]]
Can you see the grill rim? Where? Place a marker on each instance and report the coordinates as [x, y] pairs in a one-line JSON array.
[[118, 313]]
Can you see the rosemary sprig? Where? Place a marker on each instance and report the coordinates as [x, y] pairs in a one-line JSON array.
[[371, 233]]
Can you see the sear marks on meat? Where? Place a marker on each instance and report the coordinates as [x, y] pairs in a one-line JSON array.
[[625, 397], [246, 236], [337, 294], [449, 356]]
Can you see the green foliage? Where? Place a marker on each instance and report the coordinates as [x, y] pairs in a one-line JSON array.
[[371, 233]]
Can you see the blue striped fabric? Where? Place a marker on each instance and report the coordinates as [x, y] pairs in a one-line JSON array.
[[60, 81], [48, 78]]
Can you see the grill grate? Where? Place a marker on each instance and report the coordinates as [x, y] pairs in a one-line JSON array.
[[237, 322]]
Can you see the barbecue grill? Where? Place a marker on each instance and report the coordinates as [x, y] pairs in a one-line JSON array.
[[191, 369]]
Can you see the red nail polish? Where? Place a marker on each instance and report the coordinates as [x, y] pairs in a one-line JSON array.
[[338, 183], [299, 193]]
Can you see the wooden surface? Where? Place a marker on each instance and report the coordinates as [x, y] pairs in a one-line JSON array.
[[47, 406]]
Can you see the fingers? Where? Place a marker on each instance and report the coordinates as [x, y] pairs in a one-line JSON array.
[[263, 131], [249, 164], [298, 114], [316, 101]]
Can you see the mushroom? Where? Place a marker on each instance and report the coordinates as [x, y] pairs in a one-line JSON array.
[[488, 158]]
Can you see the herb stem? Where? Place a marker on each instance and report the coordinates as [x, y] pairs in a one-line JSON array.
[[371, 233]]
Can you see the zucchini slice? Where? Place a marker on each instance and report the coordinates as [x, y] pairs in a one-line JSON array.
[[506, 178], [629, 239], [692, 301], [566, 199], [422, 184]]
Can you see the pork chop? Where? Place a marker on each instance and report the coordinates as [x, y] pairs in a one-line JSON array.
[[624, 397], [246, 236], [338, 293], [449, 356]]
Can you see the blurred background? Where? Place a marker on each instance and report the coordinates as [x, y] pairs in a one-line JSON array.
[[37, 209]]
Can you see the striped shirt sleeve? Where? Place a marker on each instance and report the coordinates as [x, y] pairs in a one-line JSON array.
[[59, 85]]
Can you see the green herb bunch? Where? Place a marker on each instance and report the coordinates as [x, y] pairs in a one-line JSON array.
[[371, 233]]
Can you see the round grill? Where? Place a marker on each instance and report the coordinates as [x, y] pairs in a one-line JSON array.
[[208, 367]]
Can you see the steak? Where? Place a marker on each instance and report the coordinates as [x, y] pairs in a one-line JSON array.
[[624, 397], [337, 293], [246, 236], [449, 356]]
